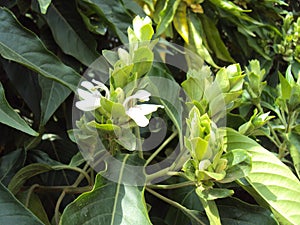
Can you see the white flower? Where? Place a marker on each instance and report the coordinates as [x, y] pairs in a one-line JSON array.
[[91, 97], [138, 112]]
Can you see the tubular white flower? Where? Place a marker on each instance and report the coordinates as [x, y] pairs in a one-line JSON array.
[[91, 97], [138, 112]]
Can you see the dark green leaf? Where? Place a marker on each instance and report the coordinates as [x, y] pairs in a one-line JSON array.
[[11, 118], [295, 151], [13, 212], [235, 212], [70, 33], [10, 164], [22, 46], [25, 173], [108, 203], [53, 94]]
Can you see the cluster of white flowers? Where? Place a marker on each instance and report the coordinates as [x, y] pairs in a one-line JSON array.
[[90, 100]]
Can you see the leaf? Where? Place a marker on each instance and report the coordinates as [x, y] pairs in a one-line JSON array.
[[294, 148], [196, 41], [187, 197], [114, 14], [214, 39], [166, 16], [11, 118], [34, 205], [238, 165], [70, 32], [53, 94], [25, 173], [285, 87], [19, 75], [108, 203], [234, 211], [44, 4], [10, 164], [180, 22], [13, 212], [22, 46], [270, 178], [211, 210]]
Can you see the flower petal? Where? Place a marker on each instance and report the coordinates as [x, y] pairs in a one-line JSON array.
[[88, 85], [88, 104], [142, 95], [146, 109], [84, 94], [138, 117], [102, 87]]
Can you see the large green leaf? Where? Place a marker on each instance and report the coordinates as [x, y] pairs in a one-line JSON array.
[[21, 45], [108, 203], [11, 118], [53, 94], [270, 178], [13, 212], [70, 32]]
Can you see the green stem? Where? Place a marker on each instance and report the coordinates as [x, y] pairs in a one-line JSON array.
[[171, 186], [79, 170], [56, 211], [163, 145], [139, 142], [177, 205], [30, 191]]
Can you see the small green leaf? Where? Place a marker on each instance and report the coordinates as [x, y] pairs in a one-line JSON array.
[[13, 212], [210, 208], [44, 4], [286, 88], [238, 165], [11, 118]]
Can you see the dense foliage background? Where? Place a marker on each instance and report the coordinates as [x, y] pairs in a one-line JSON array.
[[251, 47]]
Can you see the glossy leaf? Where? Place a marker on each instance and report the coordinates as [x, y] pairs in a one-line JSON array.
[[70, 33], [108, 203], [196, 40], [11, 118], [270, 178], [166, 16], [53, 94], [13, 212], [180, 22], [22, 46]]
